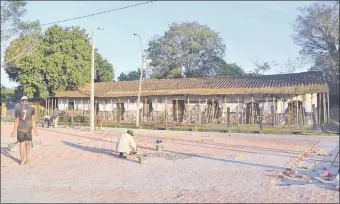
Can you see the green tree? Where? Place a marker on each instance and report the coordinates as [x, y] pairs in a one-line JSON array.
[[225, 69], [317, 33], [130, 76], [6, 94], [104, 69], [60, 59], [185, 50], [11, 14], [11, 20]]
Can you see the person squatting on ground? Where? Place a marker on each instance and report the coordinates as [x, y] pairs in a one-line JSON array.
[[126, 144], [23, 125]]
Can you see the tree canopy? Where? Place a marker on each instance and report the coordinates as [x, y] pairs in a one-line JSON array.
[[59, 59], [130, 76], [11, 20], [225, 69], [185, 50], [317, 32]]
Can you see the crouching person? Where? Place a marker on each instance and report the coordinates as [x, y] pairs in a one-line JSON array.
[[126, 145]]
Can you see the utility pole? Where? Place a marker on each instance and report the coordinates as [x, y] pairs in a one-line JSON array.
[[92, 84], [140, 81]]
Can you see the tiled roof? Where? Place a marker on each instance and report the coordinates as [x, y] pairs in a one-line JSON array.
[[281, 83]]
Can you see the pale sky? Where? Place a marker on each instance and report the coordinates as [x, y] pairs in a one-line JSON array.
[[251, 30]]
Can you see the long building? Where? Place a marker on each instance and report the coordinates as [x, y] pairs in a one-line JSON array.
[[298, 98]]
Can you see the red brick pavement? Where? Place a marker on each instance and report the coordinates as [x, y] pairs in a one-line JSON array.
[[78, 166]]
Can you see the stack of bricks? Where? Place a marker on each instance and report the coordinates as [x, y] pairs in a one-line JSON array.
[[294, 163]]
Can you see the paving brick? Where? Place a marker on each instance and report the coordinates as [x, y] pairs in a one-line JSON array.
[[79, 166]]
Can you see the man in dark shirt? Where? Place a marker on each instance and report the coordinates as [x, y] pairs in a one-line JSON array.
[[23, 125]]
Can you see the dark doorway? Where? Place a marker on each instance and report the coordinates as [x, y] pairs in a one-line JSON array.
[[147, 109], [212, 110], [178, 110], [120, 110], [295, 113], [70, 105], [252, 113]]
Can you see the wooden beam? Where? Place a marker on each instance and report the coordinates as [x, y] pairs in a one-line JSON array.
[[199, 110], [243, 118], [146, 108], [52, 108], [177, 111], [225, 108], [274, 104], [319, 109], [156, 109], [228, 119], [127, 110], [328, 115], [324, 107], [272, 113], [189, 109], [252, 110], [112, 109], [119, 111], [166, 111], [206, 110], [82, 106], [282, 110], [237, 110], [297, 112], [313, 115]]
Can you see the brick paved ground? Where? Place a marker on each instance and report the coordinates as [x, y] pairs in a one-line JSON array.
[[73, 165]]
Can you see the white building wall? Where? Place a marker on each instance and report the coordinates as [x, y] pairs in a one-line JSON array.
[[130, 103]]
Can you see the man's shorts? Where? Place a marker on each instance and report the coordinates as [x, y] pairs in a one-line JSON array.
[[24, 136]]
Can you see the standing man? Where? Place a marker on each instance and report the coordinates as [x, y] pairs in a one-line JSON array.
[[23, 125]]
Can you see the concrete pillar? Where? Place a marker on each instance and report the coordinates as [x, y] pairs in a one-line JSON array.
[[224, 107], [307, 105]]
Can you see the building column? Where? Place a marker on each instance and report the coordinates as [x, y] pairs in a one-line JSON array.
[[307, 104]]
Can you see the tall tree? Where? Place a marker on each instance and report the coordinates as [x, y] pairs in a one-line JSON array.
[[130, 76], [59, 60], [6, 94], [104, 69], [11, 14], [225, 69], [11, 20], [185, 50], [317, 32]]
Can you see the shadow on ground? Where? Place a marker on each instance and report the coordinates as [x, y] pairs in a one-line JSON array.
[[96, 150], [5, 151]]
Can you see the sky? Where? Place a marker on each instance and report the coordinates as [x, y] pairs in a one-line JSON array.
[[251, 30]]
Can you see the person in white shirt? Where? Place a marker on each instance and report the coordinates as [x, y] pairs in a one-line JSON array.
[[126, 144]]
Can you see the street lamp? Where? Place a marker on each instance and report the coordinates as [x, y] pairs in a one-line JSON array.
[[140, 81], [92, 84]]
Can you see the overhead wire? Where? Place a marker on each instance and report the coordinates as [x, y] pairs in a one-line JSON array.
[[75, 18], [89, 15]]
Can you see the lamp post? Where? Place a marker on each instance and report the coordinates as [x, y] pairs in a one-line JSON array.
[[92, 84], [140, 81]]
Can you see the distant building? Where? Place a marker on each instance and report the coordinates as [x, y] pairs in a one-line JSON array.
[[283, 98]]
